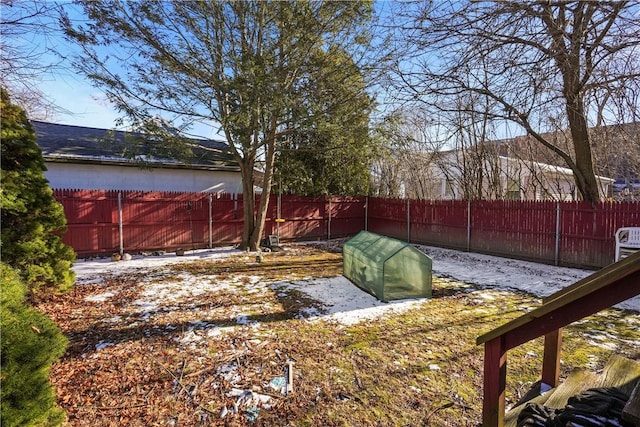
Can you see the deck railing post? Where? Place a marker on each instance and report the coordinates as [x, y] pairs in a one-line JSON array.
[[551, 358], [495, 378]]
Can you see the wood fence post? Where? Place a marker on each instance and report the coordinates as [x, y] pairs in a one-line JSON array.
[[468, 225], [408, 220], [210, 221], [366, 213], [329, 221], [120, 236], [235, 205], [278, 213], [557, 247]]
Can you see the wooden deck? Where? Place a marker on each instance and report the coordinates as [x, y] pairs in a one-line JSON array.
[[619, 372]]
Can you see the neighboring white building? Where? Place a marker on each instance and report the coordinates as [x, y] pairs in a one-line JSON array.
[[87, 158], [506, 178]]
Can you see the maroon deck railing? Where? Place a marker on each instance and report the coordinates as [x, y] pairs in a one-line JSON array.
[[603, 289], [571, 234]]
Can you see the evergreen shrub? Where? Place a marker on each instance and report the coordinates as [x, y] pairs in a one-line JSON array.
[[30, 214], [30, 344]]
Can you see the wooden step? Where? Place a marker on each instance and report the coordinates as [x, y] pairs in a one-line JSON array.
[[577, 381], [619, 372]]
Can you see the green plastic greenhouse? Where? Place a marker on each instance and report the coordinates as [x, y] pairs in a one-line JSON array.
[[387, 268]]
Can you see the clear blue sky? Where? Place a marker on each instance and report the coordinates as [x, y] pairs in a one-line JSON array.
[[78, 102]]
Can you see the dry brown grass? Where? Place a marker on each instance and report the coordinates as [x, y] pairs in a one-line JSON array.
[[126, 366]]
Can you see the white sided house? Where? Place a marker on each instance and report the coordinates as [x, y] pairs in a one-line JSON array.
[[99, 159], [507, 178]]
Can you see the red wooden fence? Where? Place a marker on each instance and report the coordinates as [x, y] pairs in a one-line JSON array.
[[102, 222], [566, 233], [576, 234]]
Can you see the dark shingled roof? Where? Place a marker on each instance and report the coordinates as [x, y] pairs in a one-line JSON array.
[[77, 144]]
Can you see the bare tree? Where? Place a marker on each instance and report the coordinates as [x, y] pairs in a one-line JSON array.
[[407, 167], [541, 63], [387, 168], [28, 29]]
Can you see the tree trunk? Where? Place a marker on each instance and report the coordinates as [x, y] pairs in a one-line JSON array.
[[584, 173], [569, 62], [270, 155], [248, 205]]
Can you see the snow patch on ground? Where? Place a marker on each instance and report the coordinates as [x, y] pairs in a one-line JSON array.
[[341, 301], [100, 297], [508, 274], [103, 344], [92, 269], [346, 303]]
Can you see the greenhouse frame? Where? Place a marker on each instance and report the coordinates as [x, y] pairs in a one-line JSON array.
[[387, 268]]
